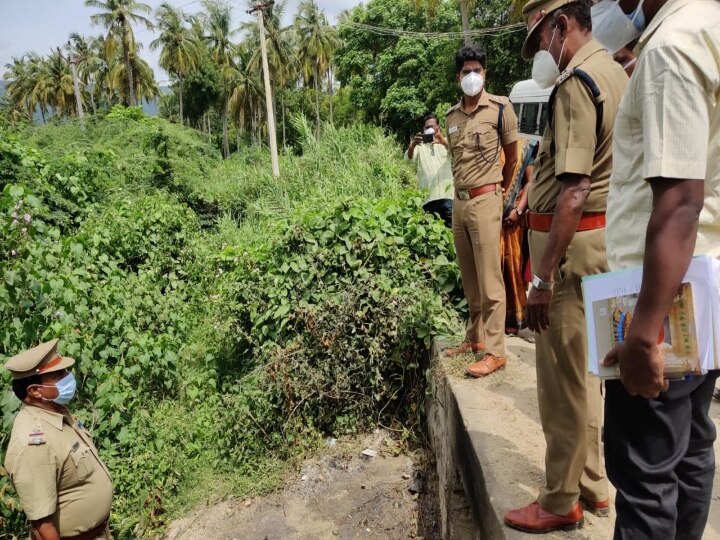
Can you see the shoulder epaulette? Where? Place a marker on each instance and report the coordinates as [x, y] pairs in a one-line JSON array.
[[453, 108], [597, 96]]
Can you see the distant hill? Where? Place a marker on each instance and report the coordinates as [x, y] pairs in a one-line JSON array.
[[151, 108]]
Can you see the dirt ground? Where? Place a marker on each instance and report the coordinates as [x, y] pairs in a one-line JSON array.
[[338, 494]]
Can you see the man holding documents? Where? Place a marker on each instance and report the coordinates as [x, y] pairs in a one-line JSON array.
[[663, 207], [567, 200]]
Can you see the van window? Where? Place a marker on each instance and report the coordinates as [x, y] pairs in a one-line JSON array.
[[529, 118], [543, 118], [517, 107]]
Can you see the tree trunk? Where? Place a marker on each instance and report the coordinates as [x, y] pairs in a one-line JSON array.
[[282, 101], [180, 97], [465, 14], [237, 137], [330, 92], [76, 88], [317, 100], [92, 97], [129, 73], [226, 143]]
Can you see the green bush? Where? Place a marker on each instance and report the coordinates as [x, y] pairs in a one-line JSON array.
[[338, 312]]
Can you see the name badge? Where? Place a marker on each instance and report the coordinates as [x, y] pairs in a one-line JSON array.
[[452, 130]]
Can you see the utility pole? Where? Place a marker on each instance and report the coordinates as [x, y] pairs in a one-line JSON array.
[[260, 9]]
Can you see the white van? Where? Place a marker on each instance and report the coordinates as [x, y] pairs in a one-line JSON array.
[[530, 104]]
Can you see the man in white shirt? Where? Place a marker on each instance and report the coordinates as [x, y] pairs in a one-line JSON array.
[[663, 208], [433, 169]]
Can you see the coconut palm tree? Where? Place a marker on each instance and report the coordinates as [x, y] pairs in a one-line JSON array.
[[466, 6], [118, 16], [248, 91], [118, 78], [180, 49], [218, 35], [89, 53], [317, 42], [58, 84]]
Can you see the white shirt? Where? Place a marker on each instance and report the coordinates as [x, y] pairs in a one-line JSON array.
[[433, 169], [668, 125]]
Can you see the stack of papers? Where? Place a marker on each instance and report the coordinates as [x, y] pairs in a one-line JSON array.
[[690, 337]]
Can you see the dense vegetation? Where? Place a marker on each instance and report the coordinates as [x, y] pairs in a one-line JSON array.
[[223, 321]]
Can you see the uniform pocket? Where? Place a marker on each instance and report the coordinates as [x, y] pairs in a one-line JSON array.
[[84, 462], [456, 143]]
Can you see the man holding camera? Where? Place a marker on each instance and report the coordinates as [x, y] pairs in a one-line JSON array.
[[480, 127], [429, 151]]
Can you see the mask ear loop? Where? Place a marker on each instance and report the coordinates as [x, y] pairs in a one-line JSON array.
[[635, 13]]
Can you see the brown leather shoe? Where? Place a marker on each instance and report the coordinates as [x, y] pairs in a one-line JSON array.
[[599, 508], [465, 347], [533, 519], [486, 366]]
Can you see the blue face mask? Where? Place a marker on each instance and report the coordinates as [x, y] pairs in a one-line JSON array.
[[66, 387]]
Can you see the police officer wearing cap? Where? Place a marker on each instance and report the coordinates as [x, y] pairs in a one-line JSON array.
[[64, 487], [567, 202]]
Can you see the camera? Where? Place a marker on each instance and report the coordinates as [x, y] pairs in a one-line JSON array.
[[428, 138]]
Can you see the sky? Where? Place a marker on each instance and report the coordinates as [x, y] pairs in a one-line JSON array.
[[39, 25]]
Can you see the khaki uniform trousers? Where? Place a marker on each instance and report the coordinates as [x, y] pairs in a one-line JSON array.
[[477, 227], [569, 398]]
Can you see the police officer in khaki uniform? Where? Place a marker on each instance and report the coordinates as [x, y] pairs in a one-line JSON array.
[[64, 487], [567, 202], [479, 129]]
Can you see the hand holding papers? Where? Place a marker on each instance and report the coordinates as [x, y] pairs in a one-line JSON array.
[[690, 337]]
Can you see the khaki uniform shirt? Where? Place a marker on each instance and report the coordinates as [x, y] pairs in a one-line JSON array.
[[475, 144], [433, 170], [56, 471], [571, 144], [668, 126]]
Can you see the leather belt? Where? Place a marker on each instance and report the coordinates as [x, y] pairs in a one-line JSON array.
[[467, 194], [589, 221], [92, 534]]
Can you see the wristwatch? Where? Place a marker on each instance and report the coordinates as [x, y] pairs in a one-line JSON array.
[[542, 285], [520, 212]]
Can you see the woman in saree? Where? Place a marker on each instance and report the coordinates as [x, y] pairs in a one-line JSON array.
[[514, 238]]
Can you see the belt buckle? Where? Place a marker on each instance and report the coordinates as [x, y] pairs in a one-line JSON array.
[[463, 194]]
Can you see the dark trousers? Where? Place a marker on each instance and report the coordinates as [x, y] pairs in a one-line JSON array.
[[443, 209], [659, 455]]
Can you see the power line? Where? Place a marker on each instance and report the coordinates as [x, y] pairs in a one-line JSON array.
[[381, 30]]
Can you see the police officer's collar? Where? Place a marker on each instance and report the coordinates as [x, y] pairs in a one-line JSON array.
[[53, 418], [663, 13], [484, 101]]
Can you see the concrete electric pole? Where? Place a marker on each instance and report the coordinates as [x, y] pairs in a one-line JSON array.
[[260, 9]]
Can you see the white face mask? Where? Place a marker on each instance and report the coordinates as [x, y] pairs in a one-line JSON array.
[[472, 84], [614, 28], [545, 69]]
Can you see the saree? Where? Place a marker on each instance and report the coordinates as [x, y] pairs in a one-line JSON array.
[[514, 258]]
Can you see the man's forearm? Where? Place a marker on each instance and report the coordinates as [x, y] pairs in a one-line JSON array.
[[44, 529], [669, 247], [568, 211], [411, 151]]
